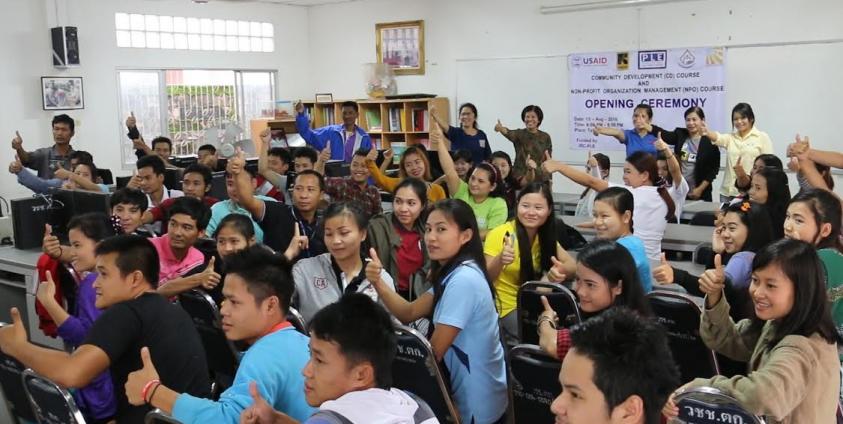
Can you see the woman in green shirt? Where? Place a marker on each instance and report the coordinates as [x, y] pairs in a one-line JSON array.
[[530, 144]]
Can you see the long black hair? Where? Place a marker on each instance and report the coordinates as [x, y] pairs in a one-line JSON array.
[[757, 221], [811, 312], [462, 215], [827, 210], [94, 225], [645, 162], [778, 196], [620, 199], [614, 263], [546, 234]]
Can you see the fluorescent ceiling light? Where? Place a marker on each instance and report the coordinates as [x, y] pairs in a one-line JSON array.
[[604, 4]]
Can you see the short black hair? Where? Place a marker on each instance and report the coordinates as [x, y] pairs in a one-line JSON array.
[[65, 119], [207, 147], [152, 161], [134, 253], [535, 109], [129, 196], [463, 154], [265, 273], [351, 104], [91, 167], [162, 139], [315, 174], [240, 223], [200, 169], [364, 332], [192, 207], [306, 152], [630, 356], [281, 153], [81, 155]]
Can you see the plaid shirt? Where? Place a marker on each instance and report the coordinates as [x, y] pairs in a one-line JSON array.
[[344, 189], [563, 343]]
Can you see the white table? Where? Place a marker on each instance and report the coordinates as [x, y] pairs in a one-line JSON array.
[[677, 237], [693, 207]]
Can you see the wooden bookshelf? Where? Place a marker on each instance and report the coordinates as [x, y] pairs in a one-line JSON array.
[[387, 121]]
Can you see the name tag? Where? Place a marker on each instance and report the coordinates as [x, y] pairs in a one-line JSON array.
[[692, 158], [482, 143]]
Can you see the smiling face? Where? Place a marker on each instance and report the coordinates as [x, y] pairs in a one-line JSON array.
[[84, 171], [414, 166], [462, 168], [593, 291], [800, 223], [533, 211], [608, 223], [111, 287], [734, 233], [480, 183], [359, 170], [243, 317], [634, 178], [503, 167], [406, 206], [130, 216], [467, 117], [443, 237], [741, 123], [531, 120], [772, 292], [82, 251], [693, 122], [343, 236], [349, 116]]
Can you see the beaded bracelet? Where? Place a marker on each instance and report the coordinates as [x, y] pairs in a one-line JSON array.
[[146, 388]]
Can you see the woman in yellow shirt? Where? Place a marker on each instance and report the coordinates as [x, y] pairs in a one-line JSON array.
[[414, 163], [534, 225]]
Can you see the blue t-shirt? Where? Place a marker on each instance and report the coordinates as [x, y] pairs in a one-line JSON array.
[[227, 207], [635, 142], [477, 144], [275, 363], [739, 269], [635, 247], [475, 359]]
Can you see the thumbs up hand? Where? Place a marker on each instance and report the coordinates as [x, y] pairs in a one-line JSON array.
[[61, 173], [209, 278], [557, 271], [50, 244], [531, 164], [712, 282], [47, 290], [17, 142], [549, 165], [12, 337], [739, 167], [374, 267], [131, 122], [663, 274], [548, 311], [297, 244], [660, 144], [138, 382], [16, 167], [325, 154], [507, 255], [499, 127]]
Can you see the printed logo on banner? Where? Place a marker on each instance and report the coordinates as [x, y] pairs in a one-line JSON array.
[[652, 59], [715, 57], [623, 61], [590, 61], [686, 59]]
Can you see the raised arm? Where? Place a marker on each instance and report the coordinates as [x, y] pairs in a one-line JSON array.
[[452, 179], [245, 191], [432, 112], [806, 166], [17, 145], [612, 132], [312, 138], [324, 156], [549, 166], [672, 163], [381, 180]]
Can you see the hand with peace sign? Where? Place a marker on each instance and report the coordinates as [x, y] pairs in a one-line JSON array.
[[140, 384], [712, 282]]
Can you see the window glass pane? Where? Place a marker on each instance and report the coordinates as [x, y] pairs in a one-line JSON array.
[[153, 41], [151, 22], [267, 30], [219, 42], [242, 28], [268, 45], [138, 39], [121, 21], [180, 41], [231, 43], [231, 27], [179, 24], [207, 42], [136, 21], [219, 27], [207, 26], [167, 41], [194, 42], [197, 100], [258, 95], [193, 26], [166, 23], [139, 94], [244, 45], [124, 39], [257, 44], [255, 29]]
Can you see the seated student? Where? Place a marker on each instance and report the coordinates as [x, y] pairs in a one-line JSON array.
[[743, 231], [509, 265], [790, 343], [398, 238], [349, 375], [619, 370], [463, 163], [606, 278], [196, 183], [82, 177], [179, 260], [354, 187], [44, 160], [415, 164], [321, 280], [814, 216], [530, 145], [503, 162], [743, 181], [234, 204], [653, 204], [344, 139], [134, 317], [150, 180], [598, 165], [37, 184], [304, 158], [95, 400], [769, 188], [482, 192], [257, 293], [128, 206], [207, 156], [671, 173], [462, 301], [638, 139]]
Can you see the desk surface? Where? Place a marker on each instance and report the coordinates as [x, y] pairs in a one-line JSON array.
[[567, 203], [10, 256], [678, 237]]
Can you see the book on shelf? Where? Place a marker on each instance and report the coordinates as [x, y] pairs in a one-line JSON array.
[[328, 113], [396, 119], [419, 120], [373, 120], [397, 151]]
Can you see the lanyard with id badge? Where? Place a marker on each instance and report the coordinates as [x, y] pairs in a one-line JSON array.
[[689, 151]]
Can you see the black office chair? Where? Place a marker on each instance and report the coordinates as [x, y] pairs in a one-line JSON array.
[[222, 356], [105, 175], [120, 182], [703, 255], [530, 307], [11, 382], [705, 219], [157, 416], [50, 403], [679, 314], [297, 320], [415, 370], [704, 405], [535, 383]]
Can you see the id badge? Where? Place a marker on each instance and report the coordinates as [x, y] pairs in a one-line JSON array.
[[692, 157], [482, 143]]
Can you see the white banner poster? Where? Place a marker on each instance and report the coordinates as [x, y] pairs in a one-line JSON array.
[[606, 87]]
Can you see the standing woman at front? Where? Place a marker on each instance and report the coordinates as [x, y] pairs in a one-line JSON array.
[[700, 159], [743, 145], [467, 136], [640, 137], [462, 302], [530, 143]]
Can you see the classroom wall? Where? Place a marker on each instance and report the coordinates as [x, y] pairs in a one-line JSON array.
[[24, 28], [483, 29]]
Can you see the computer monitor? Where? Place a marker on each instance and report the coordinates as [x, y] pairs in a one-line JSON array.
[[65, 204], [337, 168], [218, 186], [172, 178], [90, 201]]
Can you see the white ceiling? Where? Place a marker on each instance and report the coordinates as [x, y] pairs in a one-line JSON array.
[[287, 2]]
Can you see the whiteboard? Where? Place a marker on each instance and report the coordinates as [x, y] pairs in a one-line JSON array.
[[792, 88]]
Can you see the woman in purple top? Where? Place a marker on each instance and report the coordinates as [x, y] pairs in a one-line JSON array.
[[96, 400], [641, 137]]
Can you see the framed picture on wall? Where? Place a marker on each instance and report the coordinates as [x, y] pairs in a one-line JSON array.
[[401, 44], [62, 93]]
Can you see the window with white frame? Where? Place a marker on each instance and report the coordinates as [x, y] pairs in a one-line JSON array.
[[185, 33], [183, 104]]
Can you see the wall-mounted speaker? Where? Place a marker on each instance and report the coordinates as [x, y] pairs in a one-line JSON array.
[[65, 46]]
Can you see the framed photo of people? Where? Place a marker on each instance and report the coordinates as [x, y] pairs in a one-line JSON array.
[[401, 44], [62, 93]]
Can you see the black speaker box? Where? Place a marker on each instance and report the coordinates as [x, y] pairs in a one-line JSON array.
[[65, 46]]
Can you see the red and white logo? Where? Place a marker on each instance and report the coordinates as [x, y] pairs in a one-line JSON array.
[[320, 283]]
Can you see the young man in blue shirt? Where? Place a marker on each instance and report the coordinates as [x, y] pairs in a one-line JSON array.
[[257, 293], [344, 139]]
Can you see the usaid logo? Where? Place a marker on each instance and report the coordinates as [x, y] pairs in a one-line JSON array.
[[590, 61], [652, 59]]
